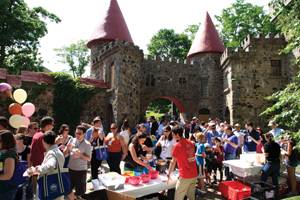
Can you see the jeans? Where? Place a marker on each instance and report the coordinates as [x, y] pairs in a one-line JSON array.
[[29, 189], [229, 175], [114, 160], [9, 194], [271, 169]]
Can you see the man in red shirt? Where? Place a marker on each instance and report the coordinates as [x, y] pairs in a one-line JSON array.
[[184, 155], [37, 149]]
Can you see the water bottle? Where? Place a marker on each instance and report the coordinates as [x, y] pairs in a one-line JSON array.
[[249, 140]]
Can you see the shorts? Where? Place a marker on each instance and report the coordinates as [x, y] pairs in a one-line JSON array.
[[207, 173], [200, 171], [291, 163], [218, 166]]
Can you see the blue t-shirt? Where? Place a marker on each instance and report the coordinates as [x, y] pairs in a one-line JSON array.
[[200, 149], [210, 135], [88, 134], [251, 145]]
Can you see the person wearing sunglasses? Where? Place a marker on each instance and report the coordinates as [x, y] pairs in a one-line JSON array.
[[167, 143], [117, 148], [64, 131], [80, 151]]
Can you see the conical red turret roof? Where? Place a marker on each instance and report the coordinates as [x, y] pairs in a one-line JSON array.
[[111, 26], [207, 39]]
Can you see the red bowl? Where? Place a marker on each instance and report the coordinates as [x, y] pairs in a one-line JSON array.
[[153, 174], [134, 180], [126, 176], [145, 178]]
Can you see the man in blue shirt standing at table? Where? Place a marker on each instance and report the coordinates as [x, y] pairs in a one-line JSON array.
[[230, 145], [251, 138]]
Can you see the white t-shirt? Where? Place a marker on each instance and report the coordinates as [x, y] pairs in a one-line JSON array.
[[239, 136], [125, 135], [166, 147]]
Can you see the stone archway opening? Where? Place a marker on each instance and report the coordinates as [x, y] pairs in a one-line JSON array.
[[166, 106]]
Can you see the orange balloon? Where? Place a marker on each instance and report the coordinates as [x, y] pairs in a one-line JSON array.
[[15, 109]]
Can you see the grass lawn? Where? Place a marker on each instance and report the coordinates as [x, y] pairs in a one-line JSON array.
[[152, 113]]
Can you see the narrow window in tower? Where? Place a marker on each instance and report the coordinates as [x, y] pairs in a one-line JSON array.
[[182, 83], [150, 80], [204, 88], [276, 67]]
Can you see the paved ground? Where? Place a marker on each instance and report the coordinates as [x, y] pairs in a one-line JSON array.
[[212, 193]]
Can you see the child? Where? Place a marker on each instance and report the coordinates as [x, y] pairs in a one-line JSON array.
[[200, 155], [218, 152], [154, 141], [209, 158]]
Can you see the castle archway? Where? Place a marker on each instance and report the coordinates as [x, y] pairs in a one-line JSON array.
[[181, 110]]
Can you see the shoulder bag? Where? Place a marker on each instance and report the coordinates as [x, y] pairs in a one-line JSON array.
[[20, 167], [54, 184], [101, 151]]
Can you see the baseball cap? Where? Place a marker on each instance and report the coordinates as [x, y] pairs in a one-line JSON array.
[[237, 125], [195, 118], [218, 138], [207, 145]]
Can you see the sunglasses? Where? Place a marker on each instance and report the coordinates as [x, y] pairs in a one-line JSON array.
[[78, 133], [113, 128], [19, 139], [66, 130], [35, 128]]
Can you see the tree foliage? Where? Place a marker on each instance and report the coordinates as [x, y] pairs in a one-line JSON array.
[[191, 30], [70, 99], [77, 56], [241, 19], [161, 105], [169, 44], [20, 31], [288, 100]]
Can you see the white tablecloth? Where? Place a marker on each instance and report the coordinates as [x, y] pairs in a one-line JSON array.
[[153, 186], [240, 168]]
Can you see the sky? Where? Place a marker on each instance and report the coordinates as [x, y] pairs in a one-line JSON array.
[[143, 18]]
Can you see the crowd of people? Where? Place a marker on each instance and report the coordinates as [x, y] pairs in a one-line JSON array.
[[197, 148]]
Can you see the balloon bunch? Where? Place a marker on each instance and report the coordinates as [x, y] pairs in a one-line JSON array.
[[15, 109]]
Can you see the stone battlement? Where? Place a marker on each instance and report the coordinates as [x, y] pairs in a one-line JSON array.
[[250, 43], [170, 60], [37, 77], [118, 43]]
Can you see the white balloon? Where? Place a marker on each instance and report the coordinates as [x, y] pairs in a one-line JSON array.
[[16, 121]]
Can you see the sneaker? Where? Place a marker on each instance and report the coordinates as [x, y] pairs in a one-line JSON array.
[[291, 194], [89, 180]]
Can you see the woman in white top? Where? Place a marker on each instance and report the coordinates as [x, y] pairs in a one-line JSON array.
[[167, 143], [125, 131]]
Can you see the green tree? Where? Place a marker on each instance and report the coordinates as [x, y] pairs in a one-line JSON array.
[[288, 100], [161, 105], [169, 44], [191, 30], [241, 19], [20, 31], [77, 56]]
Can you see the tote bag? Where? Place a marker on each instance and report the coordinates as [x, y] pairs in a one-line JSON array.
[[17, 179], [54, 184], [101, 151]]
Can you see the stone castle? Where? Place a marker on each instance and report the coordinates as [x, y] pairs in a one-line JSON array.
[[212, 82]]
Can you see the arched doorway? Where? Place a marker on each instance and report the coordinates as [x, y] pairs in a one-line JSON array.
[[204, 114], [165, 106]]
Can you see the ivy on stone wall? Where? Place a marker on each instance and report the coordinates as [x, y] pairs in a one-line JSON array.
[[69, 100]]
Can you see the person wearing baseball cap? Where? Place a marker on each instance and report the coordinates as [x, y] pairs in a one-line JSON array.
[[275, 130], [211, 133]]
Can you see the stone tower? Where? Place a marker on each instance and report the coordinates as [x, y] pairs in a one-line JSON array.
[[116, 60], [205, 53]]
